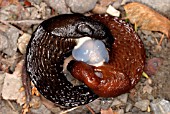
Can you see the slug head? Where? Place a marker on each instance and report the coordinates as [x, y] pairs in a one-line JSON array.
[[95, 29]]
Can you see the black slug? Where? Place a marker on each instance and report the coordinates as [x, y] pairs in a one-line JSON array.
[[50, 44]]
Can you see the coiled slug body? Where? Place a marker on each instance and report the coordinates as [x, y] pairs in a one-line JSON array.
[[50, 44], [126, 64]]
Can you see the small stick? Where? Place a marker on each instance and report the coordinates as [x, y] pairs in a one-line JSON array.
[[6, 23], [30, 22], [156, 40], [10, 104], [65, 112], [90, 109], [160, 42]]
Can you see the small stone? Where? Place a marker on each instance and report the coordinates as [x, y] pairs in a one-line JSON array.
[[36, 1], [3, 41], [112, 11], [147, 89], [95, 105], [12, 34], [123, 97], [11, 86], [41, 110], [81, 6], [2, 76], [142, 105], [128, 107], [98, 9], [35, 102], [160, 107], [23, 42], [105, 104], [59, 6], [117, 4], [106, 2], [120, 111], [115, 103]]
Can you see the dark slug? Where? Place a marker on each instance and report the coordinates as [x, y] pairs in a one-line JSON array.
[[50, 44], [54, 40]]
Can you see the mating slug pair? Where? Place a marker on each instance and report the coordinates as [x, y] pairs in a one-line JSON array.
[[55, 38]]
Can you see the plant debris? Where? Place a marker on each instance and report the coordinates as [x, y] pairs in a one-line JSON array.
[[146, 18]]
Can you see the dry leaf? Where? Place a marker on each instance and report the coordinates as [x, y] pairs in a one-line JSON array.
[[4, 3], [108, 111], [147, 18]]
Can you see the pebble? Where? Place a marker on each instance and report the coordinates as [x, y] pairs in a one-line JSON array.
[[41, 110], [123, 97], [98, 9], [120, 111], [115, 103], [23, 42], [11, 86], [36, 1], [128, 107], [81, 6], [160, 106], [59, 6], [2, 76], [3, 41], [147, 89], [142, 105], [95, 105], [12, 34], [106, 104]]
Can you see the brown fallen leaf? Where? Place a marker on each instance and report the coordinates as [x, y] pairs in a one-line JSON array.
[[108, 111], [147, 18], [4, 3]]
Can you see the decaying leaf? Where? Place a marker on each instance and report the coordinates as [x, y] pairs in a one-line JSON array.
[[147, 18], [108, 111], [4, 3]]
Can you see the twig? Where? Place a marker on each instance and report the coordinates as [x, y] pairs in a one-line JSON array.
[[90, 109], [160, 42], [30, 22], [65, 112], [10, 104], [6, 23], [156, 40]]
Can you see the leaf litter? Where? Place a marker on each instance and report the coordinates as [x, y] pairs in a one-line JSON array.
[[147, 18]]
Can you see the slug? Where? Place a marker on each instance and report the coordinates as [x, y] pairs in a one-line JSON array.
[[50, 44], [126, 64], [54, 40]]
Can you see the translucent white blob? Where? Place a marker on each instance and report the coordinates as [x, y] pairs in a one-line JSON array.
[[92, 52]]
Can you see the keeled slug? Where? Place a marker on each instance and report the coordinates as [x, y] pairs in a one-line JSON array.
[[50, 44], [126, 64]]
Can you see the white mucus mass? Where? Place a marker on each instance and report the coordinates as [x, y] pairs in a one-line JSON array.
[[93, 52]]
